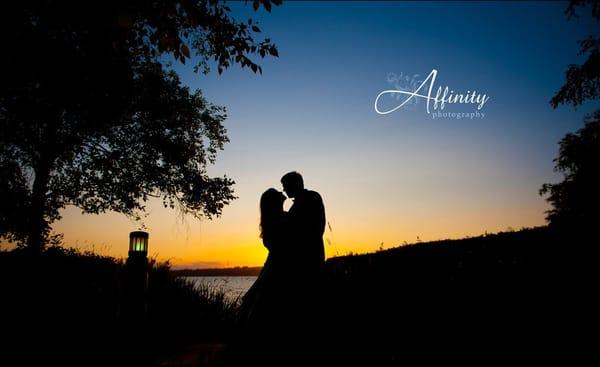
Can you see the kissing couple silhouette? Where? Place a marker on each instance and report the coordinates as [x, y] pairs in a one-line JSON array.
[[283, 303]]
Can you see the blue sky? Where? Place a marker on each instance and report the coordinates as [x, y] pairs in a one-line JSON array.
[[335, 58]]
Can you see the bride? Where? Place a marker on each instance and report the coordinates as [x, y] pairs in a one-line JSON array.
[[263, 304]]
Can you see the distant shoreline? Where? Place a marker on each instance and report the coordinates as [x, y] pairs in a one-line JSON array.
[[230, 272]]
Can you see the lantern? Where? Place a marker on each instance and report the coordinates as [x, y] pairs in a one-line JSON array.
[[136, 279], [138, 244]]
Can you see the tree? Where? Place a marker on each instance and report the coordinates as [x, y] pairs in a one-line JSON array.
[[91, 114], [583, 81], [575, 200]]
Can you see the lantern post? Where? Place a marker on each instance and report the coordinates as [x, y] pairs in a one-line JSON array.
[[136, 286]]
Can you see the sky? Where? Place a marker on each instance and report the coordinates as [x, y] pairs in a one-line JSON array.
[[385, 179]]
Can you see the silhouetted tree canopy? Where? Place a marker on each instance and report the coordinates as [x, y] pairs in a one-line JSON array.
[[576, 200], [92, 115], [583, 81]]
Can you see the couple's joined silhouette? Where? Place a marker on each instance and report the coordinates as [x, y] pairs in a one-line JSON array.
[[283, 303]]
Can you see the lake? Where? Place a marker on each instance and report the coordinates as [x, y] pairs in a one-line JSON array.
[[233, 287]]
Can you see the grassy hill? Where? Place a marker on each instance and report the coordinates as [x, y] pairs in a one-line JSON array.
[[509, 297], [71, 308], [512, 296]]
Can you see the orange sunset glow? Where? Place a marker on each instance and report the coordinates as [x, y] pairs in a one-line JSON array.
[[360, 220]]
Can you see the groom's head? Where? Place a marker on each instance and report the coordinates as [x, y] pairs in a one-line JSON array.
[[292, 184]]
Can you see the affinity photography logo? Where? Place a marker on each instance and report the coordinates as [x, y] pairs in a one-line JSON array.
[[410, 89]]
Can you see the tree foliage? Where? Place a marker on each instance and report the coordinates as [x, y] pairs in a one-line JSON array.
[[576, 199], [583, 81], [92, 116]]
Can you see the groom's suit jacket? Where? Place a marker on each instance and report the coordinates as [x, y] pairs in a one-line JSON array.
[[307, 223]]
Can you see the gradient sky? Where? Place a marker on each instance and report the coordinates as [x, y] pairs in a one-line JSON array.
[[385, 179]]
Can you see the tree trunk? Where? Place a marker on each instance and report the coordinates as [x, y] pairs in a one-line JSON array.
[[38, 226], [38, 223]]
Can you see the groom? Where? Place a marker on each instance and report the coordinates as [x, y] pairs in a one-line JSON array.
[[306, 265], [307, 223]]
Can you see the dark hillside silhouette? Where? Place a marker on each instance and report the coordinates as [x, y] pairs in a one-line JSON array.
[[513, 296], [64, 307], [510, 296]]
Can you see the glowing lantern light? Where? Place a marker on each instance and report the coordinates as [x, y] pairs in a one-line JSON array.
[[138, 244]]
